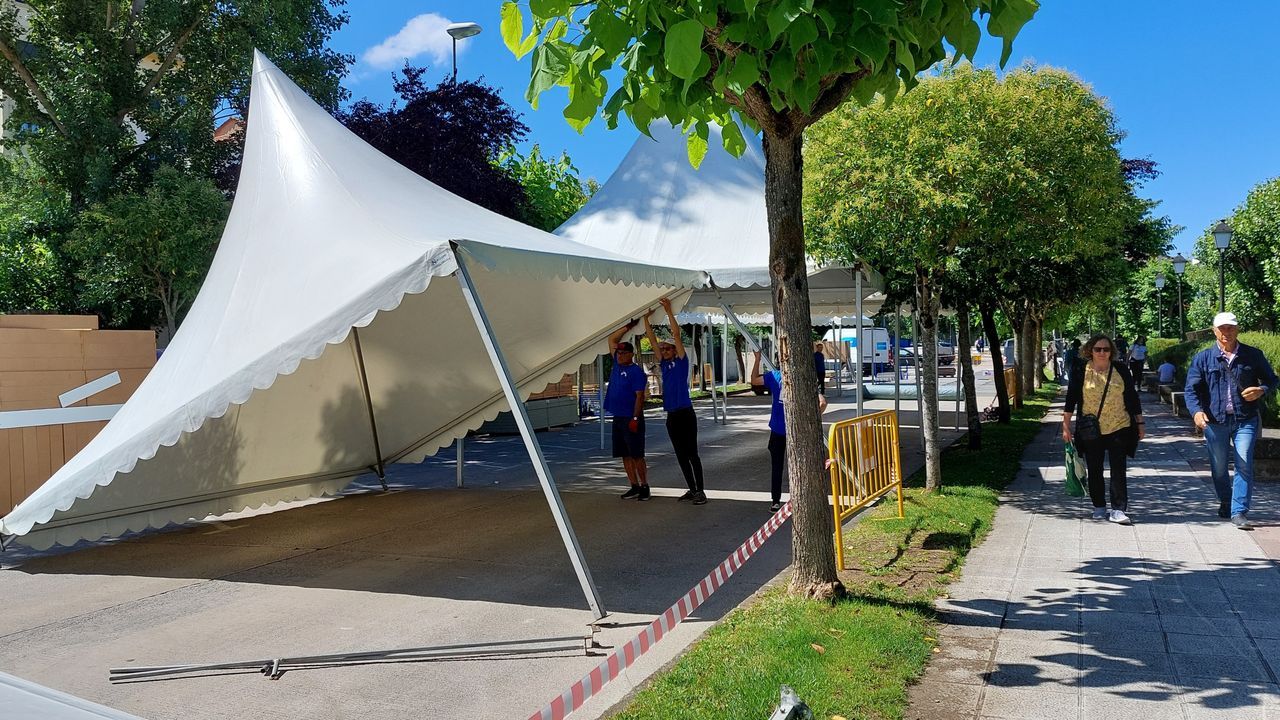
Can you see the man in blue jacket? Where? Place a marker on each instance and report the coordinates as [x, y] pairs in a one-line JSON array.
[[1226, 385]]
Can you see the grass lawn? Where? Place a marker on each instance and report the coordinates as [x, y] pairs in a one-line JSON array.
[[853, 659]]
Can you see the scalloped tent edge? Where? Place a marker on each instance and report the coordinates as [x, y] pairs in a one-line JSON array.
[[355, 314]]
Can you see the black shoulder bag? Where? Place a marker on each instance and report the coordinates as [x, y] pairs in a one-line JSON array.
[[1088, 429]]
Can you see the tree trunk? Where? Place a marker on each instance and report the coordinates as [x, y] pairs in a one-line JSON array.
[[965, 359], [1037, 327], [1030, 349], [1016, 317], [738, 349], [695, 334], [928, 307], [997, 361], [813, 554]]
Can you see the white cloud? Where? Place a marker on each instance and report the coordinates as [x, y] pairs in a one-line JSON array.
[[422, 35]]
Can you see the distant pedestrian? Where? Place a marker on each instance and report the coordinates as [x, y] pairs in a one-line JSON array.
[[1138, 358], [682, 423], [1109, 427], [624, 399], [820, 367], [1122, 349], [1166, 373], [1073, 363], [1226, 385], [777, 431]]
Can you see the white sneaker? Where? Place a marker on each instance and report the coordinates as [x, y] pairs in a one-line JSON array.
[[1099, 513], [1118, 517]]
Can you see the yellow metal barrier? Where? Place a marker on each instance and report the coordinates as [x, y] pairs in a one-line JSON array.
[[865, 464]]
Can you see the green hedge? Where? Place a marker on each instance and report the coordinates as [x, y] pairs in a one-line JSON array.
[[1180, 353]]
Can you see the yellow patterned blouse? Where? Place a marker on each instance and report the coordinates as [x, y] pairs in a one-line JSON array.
[[1113, 417]]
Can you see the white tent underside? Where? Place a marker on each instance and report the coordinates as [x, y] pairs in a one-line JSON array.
[[430, 381]]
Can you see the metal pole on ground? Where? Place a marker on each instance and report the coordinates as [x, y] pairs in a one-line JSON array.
[[521, 416]]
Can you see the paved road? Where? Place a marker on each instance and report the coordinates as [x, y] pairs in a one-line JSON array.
[[1059, 616], [423, 565]]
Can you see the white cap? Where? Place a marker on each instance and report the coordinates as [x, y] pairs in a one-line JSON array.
[[1224, 318]]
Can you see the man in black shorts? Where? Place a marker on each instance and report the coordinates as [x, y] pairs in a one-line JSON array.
[[624, 399]]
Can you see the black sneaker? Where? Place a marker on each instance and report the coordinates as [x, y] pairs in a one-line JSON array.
[[700, 498], [775, 507], [687, 496], [1241, 522], [1224, 511], [634, 491], [644, 493]]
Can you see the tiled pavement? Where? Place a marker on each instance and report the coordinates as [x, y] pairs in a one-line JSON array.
[[1059, 616]]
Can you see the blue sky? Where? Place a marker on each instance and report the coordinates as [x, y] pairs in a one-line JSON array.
[[1191, 85]]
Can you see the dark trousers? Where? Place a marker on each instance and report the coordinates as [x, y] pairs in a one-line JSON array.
[[1135, 369], [682, 428], [1112, 447], [777, 464]]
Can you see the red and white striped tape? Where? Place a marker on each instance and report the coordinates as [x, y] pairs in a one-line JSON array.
[[622, 658]]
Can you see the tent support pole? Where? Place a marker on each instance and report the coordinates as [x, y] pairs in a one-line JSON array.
[[461, 459], [746, 335], [521, 416], [600, 397], [861, 335], [724, 372], [368, 402]]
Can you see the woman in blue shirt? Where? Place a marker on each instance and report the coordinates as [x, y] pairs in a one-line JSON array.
[[682, 424]]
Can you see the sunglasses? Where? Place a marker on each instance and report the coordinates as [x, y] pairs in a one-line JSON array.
[[1102, 349]]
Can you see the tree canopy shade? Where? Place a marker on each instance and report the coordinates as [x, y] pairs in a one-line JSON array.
[[998, 192], [778, 67]]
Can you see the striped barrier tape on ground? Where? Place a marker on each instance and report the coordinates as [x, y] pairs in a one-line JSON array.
[[624, 657]]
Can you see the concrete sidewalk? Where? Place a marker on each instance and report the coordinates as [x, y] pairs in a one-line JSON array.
[[1059, 616]]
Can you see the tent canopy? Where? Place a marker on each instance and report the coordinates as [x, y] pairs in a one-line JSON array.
[[261, 396], [657, 208]]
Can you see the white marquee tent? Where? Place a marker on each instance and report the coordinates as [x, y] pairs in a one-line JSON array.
[[355, 315], [658, 209]]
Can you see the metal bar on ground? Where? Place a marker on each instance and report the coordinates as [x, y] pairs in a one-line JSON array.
[[368, 401], [521, 416]]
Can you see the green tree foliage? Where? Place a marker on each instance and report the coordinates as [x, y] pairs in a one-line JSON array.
[[1251, 264], [552, 188], [997, 192], [779, 67], [142, 251], [108, 90], [33, 218]]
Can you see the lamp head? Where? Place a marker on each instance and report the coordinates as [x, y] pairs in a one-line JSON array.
[[1159, 280], [459, 31], [1222, 235], [1179, 264]]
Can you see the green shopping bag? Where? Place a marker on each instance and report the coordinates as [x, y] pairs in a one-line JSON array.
[[1077, 472]]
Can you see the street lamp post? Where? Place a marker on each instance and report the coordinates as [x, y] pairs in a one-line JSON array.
[[1221, 239], [460, 31], [1179, 267], [1159, 304]]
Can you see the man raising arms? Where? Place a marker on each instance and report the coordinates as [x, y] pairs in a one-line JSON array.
[[682, 424], [624, 399]]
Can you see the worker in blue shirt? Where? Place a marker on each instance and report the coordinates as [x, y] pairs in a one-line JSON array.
[[777, 431], [682, 423], [1226, 385], [624, 399]]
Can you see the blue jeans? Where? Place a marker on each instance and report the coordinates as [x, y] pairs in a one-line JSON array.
[[1220, 437]]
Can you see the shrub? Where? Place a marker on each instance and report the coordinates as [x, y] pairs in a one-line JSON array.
[[1180, 353]]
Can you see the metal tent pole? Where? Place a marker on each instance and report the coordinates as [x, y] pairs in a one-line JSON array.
[[724, 372], [841, 348], [600, 397], [521, 416], [461, 459], [897, 371], [857, 303], [368, 401], [708, 346]]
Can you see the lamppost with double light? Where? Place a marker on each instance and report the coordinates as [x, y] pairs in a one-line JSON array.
[[1159, 305], [1221, 239], [1179, 267], [460, 31]]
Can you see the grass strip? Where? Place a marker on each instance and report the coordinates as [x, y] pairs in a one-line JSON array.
[[854, 658]]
